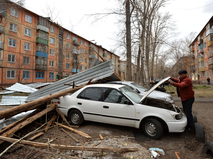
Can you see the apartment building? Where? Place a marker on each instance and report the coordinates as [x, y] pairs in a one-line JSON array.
[[35, 49], [202, 54], [184, 63]]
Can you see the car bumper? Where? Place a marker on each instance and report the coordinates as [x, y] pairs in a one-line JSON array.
[[177, 126]]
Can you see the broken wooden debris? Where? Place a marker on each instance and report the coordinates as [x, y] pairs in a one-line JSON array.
[[29, 120], [34, 104], [62, 115], [36, 136], [76, 131], [69, 147], [72, 137], [50, 122], [101, 136]]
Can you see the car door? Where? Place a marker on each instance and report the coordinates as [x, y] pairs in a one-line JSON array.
[[90, 102], [114, 111]]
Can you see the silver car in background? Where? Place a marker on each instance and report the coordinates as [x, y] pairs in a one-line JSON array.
[[142, 91]]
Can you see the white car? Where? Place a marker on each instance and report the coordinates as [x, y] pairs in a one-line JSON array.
[[120, 105]]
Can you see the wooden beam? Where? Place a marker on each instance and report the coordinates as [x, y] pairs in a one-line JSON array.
[[76, 131], [50, 122], [62, 116], [69, 147], [36, 136], [72, 137]]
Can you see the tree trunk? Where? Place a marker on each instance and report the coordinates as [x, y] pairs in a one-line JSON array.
[[128, 43]]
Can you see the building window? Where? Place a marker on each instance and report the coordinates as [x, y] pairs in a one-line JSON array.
[[203, 74], [206, 74], [74, 38], [26, 60], [13, 27], [27, 32], [85, 67], [68, 36], [67, 66], [68, 46], [51, 64], [85, 52], [80, 67], [81, 59], [206, 64], [67, 56], [27, 46], [52, 29], [26, 74], [28, 18], [81, 42], [51, 75], [14, 12], [86, 44], [52, 41], [209, 73], [11, 74], [1, 54], [81, 50], [51, 52], [11, 58], [85, 60], [39, 75], [12, 42], [205, 45]]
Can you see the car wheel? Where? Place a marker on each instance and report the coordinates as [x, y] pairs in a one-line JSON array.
[[76, 117], [153, 128], [194, 118], [208, 148], [200, 132]]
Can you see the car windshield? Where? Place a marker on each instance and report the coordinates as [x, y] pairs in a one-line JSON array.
[[141, 88], [131, 94]]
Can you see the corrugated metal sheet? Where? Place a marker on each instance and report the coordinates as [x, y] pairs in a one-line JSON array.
[[13, 100], [38, 85], [21, 88], [7, 92], [101, 71]]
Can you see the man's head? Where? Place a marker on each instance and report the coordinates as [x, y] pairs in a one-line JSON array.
[[182, 74]]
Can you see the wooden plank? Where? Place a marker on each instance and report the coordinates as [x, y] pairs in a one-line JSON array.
[[72, 137], [36, 136], [69, 147], [76, 131], [62, 115], [50, 122], [101, 136]]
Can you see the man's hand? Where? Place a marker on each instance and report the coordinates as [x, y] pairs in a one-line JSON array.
[[170, 81]]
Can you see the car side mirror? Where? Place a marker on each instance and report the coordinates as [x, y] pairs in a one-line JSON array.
[[127, 102]]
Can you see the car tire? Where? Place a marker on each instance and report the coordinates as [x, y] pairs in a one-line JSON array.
[[76, 118], [152, 128], [200, 132], [208, 148], [194, 118]]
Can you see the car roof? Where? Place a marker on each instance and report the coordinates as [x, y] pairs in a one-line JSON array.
[[116, 86]]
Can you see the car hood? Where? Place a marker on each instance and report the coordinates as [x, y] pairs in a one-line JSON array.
[[158, 94], [153, 88]]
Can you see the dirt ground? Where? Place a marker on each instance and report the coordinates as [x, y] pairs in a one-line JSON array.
[[185, 144]]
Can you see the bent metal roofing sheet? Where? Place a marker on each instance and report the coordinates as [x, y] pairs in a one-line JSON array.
[[103, 70]]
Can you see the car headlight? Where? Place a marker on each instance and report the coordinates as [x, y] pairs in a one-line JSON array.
[[177, 116]]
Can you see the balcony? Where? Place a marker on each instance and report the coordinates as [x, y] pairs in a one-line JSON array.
[[210, 61], [210, 43], [74, 70], [201, 59], [75, 43], [40, 67], [201, 69], [1, 29], [201, 49], [41, 54], [209, 31], [211, 67], [43, 28], [75, 50], [41, 41], [1, 46], [210, 54], [91, 56]]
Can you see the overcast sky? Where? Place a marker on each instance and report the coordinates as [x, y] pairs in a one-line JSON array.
[[189, 16]]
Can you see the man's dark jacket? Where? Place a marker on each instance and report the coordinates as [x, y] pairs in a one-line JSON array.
[[185, 88]]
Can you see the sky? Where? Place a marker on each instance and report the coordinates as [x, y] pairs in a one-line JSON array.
[[188, 15]]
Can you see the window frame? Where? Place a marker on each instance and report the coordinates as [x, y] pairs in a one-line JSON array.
[[10, 74], [52, 40], [51, 75], [27, 59], [67, 64], [13, 12], [51, 63], [26, 73], [13, 42], [13, 27], [28, 18], [52, 50], [41, 74], [27, 46], [28, 32], [52, 29], [12, 57]]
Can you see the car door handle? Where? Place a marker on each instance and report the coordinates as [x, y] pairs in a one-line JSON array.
[[107, 107], [79, 103]]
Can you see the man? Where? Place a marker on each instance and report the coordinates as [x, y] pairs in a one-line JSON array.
[[186, 93], [208, 80]]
